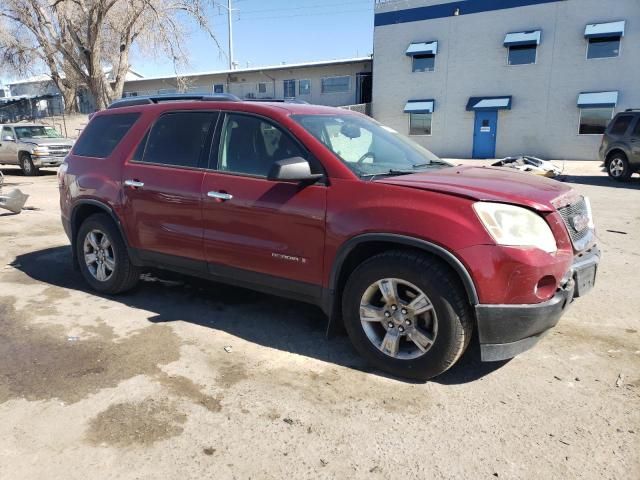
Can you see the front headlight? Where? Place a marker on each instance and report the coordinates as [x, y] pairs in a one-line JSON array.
[[41, 151], [515, 226]]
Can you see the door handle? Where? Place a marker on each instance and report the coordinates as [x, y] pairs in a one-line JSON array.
[[134, 183], [220, 195]]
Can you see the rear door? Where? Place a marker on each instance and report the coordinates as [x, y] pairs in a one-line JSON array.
[[256, 229], [634, 141], [8, 149], [162, 185]]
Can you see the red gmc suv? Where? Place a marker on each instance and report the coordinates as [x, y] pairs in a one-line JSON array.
[[330, 207]]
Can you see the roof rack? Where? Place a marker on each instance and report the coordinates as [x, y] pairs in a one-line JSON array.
[[133, 101]]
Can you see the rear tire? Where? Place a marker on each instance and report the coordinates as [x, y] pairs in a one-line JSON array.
[[618, 167], [446, 319], [27, 166], [103, 257]]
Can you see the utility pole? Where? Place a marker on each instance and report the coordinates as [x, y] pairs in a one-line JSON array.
[[230, 17]]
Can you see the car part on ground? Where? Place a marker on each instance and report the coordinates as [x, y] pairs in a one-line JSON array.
[[329, 207], [526, 163], [14, 200]]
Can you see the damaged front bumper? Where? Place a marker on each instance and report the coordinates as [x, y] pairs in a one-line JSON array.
[[507, 330]]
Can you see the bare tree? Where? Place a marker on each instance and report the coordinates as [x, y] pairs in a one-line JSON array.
[[77, 40]]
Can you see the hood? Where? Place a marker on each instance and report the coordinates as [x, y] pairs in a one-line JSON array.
[[47, 141], [490, 184]]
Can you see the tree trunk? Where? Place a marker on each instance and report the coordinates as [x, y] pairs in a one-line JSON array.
[[70, 100]]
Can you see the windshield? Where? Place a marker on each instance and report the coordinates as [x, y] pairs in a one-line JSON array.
[[37, 132], [368, 148]]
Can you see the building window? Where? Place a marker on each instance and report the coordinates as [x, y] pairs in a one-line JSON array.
[[218, 88], [167, 91], [522, 54], [603, 47], [336, 84], [289, 88], [304, 87], [262, 88], [424, 63], [420, 123], [593, 121]]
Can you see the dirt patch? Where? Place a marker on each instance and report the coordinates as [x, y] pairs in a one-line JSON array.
[[126, 424], [184, 387], [231, 373], [41, 363]]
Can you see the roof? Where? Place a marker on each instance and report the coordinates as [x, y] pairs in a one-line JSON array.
[[260, 69], [45, 77]]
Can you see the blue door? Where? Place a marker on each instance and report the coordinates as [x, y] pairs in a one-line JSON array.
[[484, 134]]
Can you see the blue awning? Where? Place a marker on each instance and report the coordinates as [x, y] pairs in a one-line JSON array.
[[422, 48], [599, 30], [597, 99], [522, 38], [420, 106], [489, 103]]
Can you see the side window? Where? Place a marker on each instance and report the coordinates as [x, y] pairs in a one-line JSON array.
[[250, 145], [179, 138], [636, 131], [620, 125], [5, 131], [103, 134]]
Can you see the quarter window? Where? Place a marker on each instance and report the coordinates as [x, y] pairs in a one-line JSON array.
[[304, 87], [251, 145], [603, 47], [335, 84], [103, 134], [420, 123], [522, 54], [593, 121], [179, 139], [424, 63], [620, 125], [218, 88]]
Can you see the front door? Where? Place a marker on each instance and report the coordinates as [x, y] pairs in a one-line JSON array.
[[484, 134], [162, 185], [8, 149], [256, 229]]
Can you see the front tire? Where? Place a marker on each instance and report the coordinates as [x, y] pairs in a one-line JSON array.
[[27, 166], [618, 168], [407, 314], [103, 258]]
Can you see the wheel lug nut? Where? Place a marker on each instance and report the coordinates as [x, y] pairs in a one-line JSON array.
[[394, 307], [404, 311], [390, 324], [401, 329], [387, 314], [407, 322]]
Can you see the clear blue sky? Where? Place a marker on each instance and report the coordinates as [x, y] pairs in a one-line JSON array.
[[268, 32]]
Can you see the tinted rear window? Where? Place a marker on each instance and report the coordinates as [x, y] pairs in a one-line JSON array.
[[621, 124], [103, 134]]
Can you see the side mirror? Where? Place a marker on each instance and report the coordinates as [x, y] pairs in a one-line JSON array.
[[8, 138], [294, 169]]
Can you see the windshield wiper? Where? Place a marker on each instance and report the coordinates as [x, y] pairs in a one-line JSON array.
[[372, 176], [432, 162]]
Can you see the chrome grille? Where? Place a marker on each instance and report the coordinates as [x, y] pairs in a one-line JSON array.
[[59, 150], [568, 212]]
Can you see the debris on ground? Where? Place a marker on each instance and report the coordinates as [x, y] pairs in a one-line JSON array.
[[526, 163], [228, 349], [619, 380], [14, 200]]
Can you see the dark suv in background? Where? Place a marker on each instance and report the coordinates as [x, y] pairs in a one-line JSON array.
[[620, 148], [330, 207]]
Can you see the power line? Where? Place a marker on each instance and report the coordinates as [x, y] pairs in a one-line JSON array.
[[335, 12], [304, 7]]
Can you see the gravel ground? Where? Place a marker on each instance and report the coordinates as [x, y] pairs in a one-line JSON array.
[[183, 378]]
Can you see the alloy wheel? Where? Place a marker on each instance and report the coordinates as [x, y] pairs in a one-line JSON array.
[[398, 318], [98, 255], [616, 167]]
